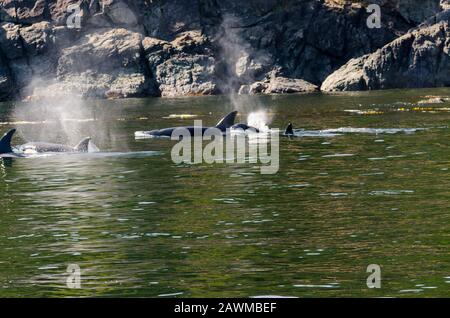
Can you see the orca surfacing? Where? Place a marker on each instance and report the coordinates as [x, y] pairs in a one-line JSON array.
[[222, 125], [40, 147]]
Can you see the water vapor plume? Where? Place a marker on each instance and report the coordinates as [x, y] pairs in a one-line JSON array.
[[59, 116], [241, 65]]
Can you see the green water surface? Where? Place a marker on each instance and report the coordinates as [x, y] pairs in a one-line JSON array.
[[139, 225]]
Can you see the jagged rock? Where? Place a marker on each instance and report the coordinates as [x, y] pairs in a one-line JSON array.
[[102, 49], [310, 40], [441, 16], [25, 11], [119, 12], [63, 37], [184, 75], [349, 77], [34, 11], [10, 42], [184, 66], [248, 68], [157, 51], [281, 85], [414, 12], [238, 43], [92, 84], [107, 62], [420, 58], [36, 38], [151, 45], [35, 57], [59, 10], [99, 20], [192, 42]]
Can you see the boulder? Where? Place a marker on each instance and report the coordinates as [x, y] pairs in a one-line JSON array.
[[249, 68], [192, 42], [23, 11], [105, 63], [37, 38], [183, 67], [10, 41], [283, 85], [420, 58], [278, 85], [186, 75], [191, 47], [119, 12], [59, 10], [28, 51], [350, 77], [310, 39]]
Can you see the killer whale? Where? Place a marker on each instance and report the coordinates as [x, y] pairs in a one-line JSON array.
[[289, 131], [39, 147], [225, 123], [244, 127]]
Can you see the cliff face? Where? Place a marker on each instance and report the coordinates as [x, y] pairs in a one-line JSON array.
[[420, 58], [188, 47]]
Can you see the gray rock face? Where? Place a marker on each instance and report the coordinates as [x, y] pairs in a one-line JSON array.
[[421, 58], [28, 51], [107, 63], [186, 75], [10, 42], [413, 13], [182, 67], [119, 12], [25, 11], [310, 40], [197, 47], [350, 77]]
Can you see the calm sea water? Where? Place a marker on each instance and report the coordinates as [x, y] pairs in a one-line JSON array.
[[139, 225]]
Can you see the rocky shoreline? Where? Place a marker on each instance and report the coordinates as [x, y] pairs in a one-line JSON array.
[[124, 48]]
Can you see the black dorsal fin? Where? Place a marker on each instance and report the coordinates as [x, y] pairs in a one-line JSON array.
[[5, 142], [289, 130], [83, 146], [227, 121]]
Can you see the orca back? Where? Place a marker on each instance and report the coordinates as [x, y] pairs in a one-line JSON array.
[[41, 147]]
